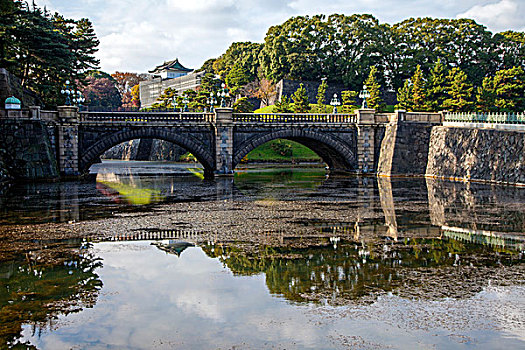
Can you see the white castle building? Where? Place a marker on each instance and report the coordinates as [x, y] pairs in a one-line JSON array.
[[170, 74]]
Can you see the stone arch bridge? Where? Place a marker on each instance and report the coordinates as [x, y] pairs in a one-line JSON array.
[[220, 140], [352, 143]]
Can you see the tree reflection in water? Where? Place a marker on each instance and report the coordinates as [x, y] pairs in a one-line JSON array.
[[38, 286], [351, 271]]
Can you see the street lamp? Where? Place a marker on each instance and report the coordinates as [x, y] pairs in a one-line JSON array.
[[185, 102], [335, 102], [77, 98], [66, 92], [174, 103], [364, 94], [224, 93], [211, 101]]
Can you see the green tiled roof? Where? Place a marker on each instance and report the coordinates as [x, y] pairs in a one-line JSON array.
[[171, 65]]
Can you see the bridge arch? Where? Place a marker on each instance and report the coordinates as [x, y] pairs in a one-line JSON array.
[[88, 156], [337, 154]]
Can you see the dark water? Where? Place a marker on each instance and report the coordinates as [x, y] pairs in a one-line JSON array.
[[418, 263]]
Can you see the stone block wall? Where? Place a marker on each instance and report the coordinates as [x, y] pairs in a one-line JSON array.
[[27, 150], [404, 149], [477, 154]]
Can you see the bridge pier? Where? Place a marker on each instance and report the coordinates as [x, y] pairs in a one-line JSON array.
[[223, 142], [68, 164], [366, 141]]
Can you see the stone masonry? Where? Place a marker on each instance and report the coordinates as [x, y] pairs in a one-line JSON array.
[[44, 144], [477, 154], [26, 150]]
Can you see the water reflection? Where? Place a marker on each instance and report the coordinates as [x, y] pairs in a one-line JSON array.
[[40, 285], [321, 271], [152, 298], [352, 241]]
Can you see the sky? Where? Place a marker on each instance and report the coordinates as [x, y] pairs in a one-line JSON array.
[[137, 35]]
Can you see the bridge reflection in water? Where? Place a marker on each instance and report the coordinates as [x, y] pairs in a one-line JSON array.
[[418, 239]]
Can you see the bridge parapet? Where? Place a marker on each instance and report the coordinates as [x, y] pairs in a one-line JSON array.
[[49, 116], [294, 118], [146, 117]]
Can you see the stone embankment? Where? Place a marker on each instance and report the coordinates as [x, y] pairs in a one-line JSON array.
[[26, 151], [459, 153], [485, 155]]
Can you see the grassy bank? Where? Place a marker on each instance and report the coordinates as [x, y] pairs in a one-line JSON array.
[[276, 151], [281, 151]]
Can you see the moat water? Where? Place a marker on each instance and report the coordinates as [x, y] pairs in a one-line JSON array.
[[146, 255]]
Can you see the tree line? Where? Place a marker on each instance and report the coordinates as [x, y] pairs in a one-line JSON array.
[[433, 64], [345, 49], [44, 50]]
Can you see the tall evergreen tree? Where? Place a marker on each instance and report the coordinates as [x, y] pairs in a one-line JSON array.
[[300, 100], [321, 95], [486, 96], [349, 103], [43, 50], [419, 98], [404, 96], [284, 105], [374, 88], [509, 88], [436, 87], [459, 92]]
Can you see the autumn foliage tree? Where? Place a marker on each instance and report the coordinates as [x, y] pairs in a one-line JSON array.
[[101, 92]]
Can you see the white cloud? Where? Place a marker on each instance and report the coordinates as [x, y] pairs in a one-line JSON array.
[[137, 35], [499, 16], [199, 5]]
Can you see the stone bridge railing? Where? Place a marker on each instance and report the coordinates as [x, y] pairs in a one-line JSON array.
[[146, 117], [291, 118], [173, 117]]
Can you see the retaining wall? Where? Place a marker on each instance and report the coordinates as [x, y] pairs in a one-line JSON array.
[[27, 150], [404, 149], [477, 154]]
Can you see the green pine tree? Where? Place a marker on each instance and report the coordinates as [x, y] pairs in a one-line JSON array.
[[284, 105], [419, 98], [242, 105], [486, 96], [436, 87], [165, 99], [321, 96], [404, 96], [459, 92], [509, 87], [349, 103], [374, 88], [300, 99]]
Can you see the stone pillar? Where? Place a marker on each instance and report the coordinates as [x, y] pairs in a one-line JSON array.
[[365, 140], [68, 141], [224, 142], [144, 149], [34, 112], [400, 115]]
